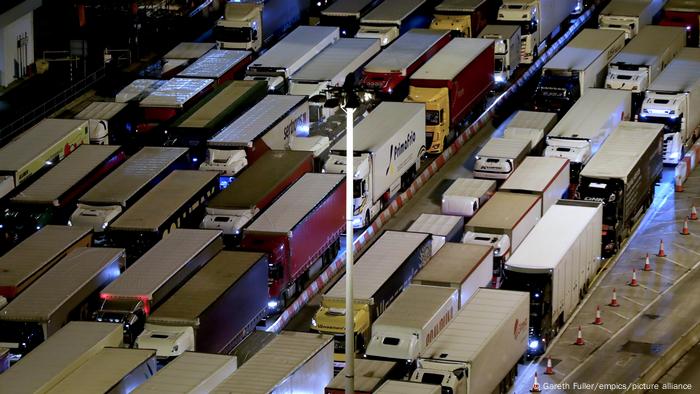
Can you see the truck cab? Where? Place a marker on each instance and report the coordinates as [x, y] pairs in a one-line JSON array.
[[610, 193], [500, 244], [556, 93], [363, 208], [667, 109], [230, 221], [627, 77], [169, 342], [629, 25], [131, 313], [385, 34], [525, 14], [437, 115], [97, 217], [578, 152], [451, 375], [240, 28], [330, 320], [226, 162]]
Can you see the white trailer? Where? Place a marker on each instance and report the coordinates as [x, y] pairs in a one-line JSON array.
[[643, 59], [547, 177], [217, 64], [137, 90], [402, 387], [391, 18], [532, 126], [180, 56], [293, 362], [388, 147], [190, 373], [176, 93], [99, 115], [369, 375], [629, 15], [291, 54], [506, 49], [442, 228], [466, 195], [500, 157], [481, 348], [673, 99]]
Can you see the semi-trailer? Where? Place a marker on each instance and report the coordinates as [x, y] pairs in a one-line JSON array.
[[480, 350], [622, 176], [500, 157], [137, 90], [558, 279], [685, 14], [392, 18], [293, 362], [346, 15], [192, 372], [466, 17], [176, 59], [369, 375], [532, 126], [221, 65], [466, 195], [380, 275], [388, 73], [452, 84], [300, 232], [108, 122], [388, 145], [442, 228], [578, 67], [214, 310], [547, 177], [630, 16], [672, 100], [173, 97], [506, 50]]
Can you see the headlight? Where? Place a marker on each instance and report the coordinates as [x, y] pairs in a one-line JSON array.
[[272, 304], [534, 344], [313, 322], [612, 197]]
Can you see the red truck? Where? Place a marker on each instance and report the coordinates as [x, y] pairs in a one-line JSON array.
[[389, 71], [299, 232], [683, 13], [452, 84]]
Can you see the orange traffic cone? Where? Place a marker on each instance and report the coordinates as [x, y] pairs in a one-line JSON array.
[[549, 370], [613, 301], [647, 265], [679, 184], [684, 230], [579, 338], [662, 253], [598, 320], [693, 213], [535, 385], [634, 282]]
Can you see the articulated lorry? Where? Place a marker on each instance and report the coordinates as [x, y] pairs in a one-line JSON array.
[[466, 195], [531, 126], [500, 157], [388, 145], [685, 14], [622, 176], [466, 17], [558, 279], [672, 100], [346, 15], [254, 24], [380, 275], [506, 48], [539, 20], [547, 177], [369, 375], [573, 71], [392, 18], [452, 84], [480, 350], [629, 15], [442, 228]]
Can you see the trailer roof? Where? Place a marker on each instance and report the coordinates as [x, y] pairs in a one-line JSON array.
[[683, 5], [504, 147], [405, 50], [453, 263], [567, 222], [102, 110], [103, 371], [160, 263], [273, 364], [452, 59], [257, 121], [404, 387], [535, 174], [626, 7], [296, 203], [339, 59], [590, 113], [29, 144], [260, 179], [623, 149], [584, 49], [391, 11], [346, 8], [503, 210], [137, 90], [214, 64], [649, 44], [478, 321], [378, 263], [682, 74], [205, 287], [368, 374], [532, 120], [159, 204], [295, 46], [58, 356], [459, 5], [470, 187], [60, 179], [415, 306], [189, 50], [136, 173], [190, 373], [176, 92], [506, 31], [34, 253], [69, 276], [435, 224]]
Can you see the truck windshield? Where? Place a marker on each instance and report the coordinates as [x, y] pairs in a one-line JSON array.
[[433, 117], [357, 188], [499, 65], [432, 378], [671, 125], [235, 34]]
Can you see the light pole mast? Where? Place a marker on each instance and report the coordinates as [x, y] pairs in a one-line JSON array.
[[349, 235]]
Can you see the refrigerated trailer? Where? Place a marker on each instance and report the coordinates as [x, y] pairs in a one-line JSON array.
[[558, 279], [466, 195], [214, 310], [630, 15], [547, 177], [500, 157], [622, 176], [137, 90], [369, 375], [108, 122], [191, 373], [173, 97], [506, 49], [346, 14], [392, 18], [44, 144], [531, 126], [452, 84], [380, 275], [466, 17], [220, 65], [442, 228]]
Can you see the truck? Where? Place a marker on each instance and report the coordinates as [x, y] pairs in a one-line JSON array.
[[388, 73], [479, 351], [461, 267], [44, 144], [506, 50], [581, 132], [558, 279], [176, 59], [392, 18], [145, 284], [403, 387], [289, 55], [58, 356], [346, 15], [270, 124], [500, 157], [108, 122], [214, 310], [672, 99], [173, 97], [369, 375], [532, 126], [683, 13], [622, 176], [381, 274], [442, 228], [105, 201], [466, 17], [137, 90], [194, 372], [466, 195], [255, 24], [547, 177], [629, 15], [221, 65], [452, 84], [573, 71], [300, 232], [539, 20], [62, 294], [303, 365], [412, 322], [388, 145]]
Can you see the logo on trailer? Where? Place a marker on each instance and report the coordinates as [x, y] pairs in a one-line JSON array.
[[519, 327], [438, 327], [395, 151]]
